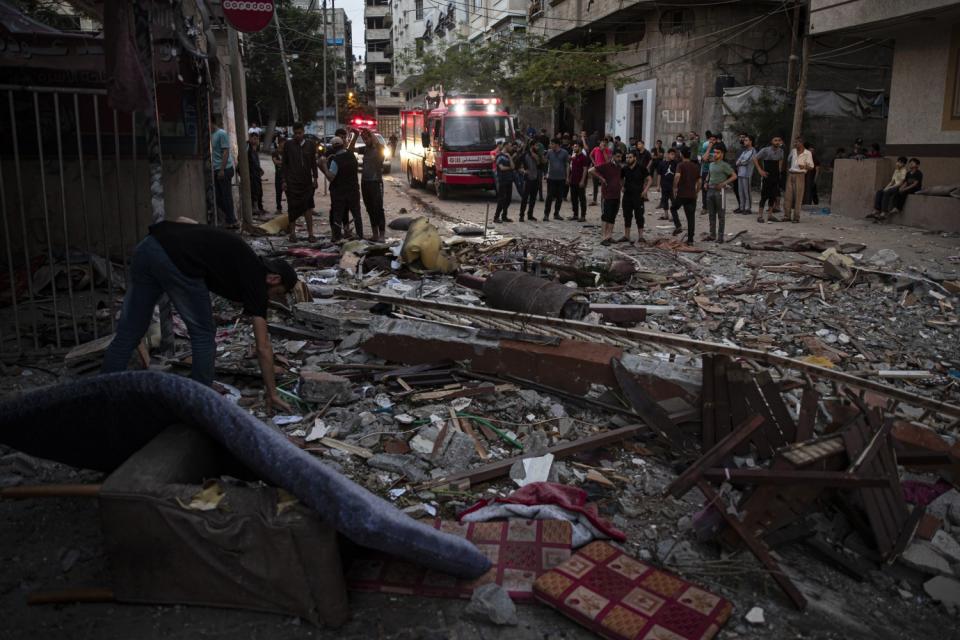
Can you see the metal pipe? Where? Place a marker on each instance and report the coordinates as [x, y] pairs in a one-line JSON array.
[[103, 209], [46, 218], [116, 155], [86, 218], [13, 281], [23, 220], [66, 224], [34, 89]]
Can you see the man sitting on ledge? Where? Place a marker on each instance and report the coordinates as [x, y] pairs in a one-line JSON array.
[[884, 198]]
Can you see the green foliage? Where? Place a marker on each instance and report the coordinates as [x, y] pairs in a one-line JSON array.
[[769, 116], [303, 41], [520, 68]]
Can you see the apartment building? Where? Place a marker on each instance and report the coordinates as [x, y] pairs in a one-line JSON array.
[[379, 66]]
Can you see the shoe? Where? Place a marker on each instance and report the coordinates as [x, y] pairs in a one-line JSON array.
[[505, 219], [710, 237], [530, 219], [760, 219], [893, 211], [773, 218], [496, 221], [677, 231], [623, 239], [556, 217], [795, 220], [521, 217], [583, 218], [738, 210], [719, 240], [607, 242], [574, 218], [664, 217], [312, 239]]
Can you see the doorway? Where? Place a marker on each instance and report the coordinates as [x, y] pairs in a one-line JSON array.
[[636, 119]]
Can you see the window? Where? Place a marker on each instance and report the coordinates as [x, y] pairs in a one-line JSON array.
[[418, 9], [951, 102], [475, 133], [631, 34], [676, 22]]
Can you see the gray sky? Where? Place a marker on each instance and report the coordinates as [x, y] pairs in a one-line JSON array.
[[354, 9]]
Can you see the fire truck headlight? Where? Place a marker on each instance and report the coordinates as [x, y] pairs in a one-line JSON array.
[[491, 108], [459, 108]]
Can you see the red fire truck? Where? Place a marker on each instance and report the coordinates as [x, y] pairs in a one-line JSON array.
[[451, 141]]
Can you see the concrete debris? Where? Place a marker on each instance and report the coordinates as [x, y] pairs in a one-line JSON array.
[[404, 465], [926, 558], [322, 387], [944, 590], [755, 616], [490, 602]]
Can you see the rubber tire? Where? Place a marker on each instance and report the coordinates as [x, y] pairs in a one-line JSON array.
[[413, 182], [441, 189]]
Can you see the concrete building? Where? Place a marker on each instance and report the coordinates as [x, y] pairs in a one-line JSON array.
[[378, 16], [678, 59], [924, 112]]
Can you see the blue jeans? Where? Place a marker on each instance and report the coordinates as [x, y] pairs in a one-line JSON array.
[[152, 274]]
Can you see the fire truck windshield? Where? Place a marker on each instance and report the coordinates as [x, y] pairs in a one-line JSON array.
[[475, 133]]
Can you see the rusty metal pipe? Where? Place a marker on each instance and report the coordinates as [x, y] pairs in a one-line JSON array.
[[518, 291]]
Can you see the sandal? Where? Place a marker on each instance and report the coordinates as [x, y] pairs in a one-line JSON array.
[[760, 219], [607, 242], [623, 239], [312, 239]]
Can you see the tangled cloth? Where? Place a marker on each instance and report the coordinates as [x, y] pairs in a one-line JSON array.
[[99, 422]]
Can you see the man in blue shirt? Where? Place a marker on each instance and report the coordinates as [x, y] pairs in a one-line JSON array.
[[223, 168], [557, 160]]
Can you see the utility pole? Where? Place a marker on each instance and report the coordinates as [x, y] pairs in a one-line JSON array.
[[286, 69], [801, 97], [240, 124], [323, 11], [792, 60]]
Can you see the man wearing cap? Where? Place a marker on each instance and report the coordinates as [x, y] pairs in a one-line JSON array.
[[341, 171], [187, 261]]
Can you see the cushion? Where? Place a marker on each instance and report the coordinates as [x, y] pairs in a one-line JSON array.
[[621, 598], [520, 550]]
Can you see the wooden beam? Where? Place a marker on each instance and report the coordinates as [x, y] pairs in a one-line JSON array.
[[756, 547], [837, 479], [692, 474], [50, 491]]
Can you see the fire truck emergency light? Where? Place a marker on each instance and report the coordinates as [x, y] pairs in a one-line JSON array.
[[475, 101], [363, 122]]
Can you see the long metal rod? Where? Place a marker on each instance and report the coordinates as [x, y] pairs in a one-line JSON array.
[[13, 280], [135, 181], [103, 210], [66, 223], [34, 89], [46, 218], [286, 69], [673, 340], [86, 218], [116, 156], [27, 264]]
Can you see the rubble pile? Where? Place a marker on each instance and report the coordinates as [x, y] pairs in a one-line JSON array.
[[792, 400]]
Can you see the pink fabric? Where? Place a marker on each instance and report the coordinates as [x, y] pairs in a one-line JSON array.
[[561, 495], [922, 493]]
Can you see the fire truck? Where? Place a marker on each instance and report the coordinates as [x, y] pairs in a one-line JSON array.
[[451, 141]]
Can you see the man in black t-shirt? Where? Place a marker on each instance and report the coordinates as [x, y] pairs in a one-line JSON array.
[[188, 261], [636, 181]]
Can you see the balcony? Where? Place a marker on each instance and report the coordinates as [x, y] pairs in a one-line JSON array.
[[377, 34], [377, 56], [376, 11]]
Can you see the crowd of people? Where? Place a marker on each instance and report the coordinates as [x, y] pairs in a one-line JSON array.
[[623, 174], [297, 165]]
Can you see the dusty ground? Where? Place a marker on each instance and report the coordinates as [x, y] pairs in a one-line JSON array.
[[56, 543]]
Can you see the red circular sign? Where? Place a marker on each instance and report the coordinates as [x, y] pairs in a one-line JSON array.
[[248, 16]]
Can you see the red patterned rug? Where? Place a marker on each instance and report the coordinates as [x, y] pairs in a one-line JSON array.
[[621, 598], [520, 550]]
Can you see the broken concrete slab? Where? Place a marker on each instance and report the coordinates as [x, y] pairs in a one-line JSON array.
[[946, 545], [334, 319], [491, 602], [459, 451], [402, 464], [322, 387], [944, 590], [924, 557]]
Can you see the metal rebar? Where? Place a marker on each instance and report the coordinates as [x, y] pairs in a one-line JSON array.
[[103, 209], [13, 281], [23, 221], [66, 225], [86, 219], [134, 183], [123, 244], [46, 218]]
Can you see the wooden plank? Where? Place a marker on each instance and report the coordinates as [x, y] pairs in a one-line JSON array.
[[692, 474], [648, 409], [809, 404], [907, 531], [721, 404], [709, 436], [477, 444], [756, 547], [836, 479], [502, 467], [771, 393], [864, 451], [738, 404]]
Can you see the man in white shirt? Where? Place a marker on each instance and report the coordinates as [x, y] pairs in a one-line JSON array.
[[799, 163]]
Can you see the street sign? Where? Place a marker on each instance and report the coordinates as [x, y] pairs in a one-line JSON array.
[[248, 16]]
